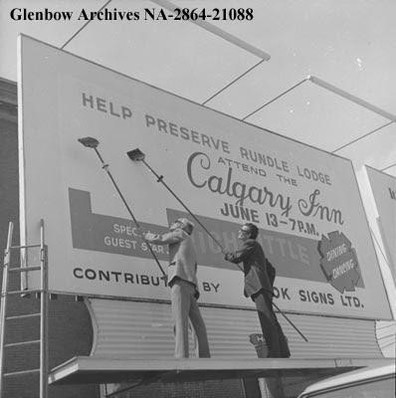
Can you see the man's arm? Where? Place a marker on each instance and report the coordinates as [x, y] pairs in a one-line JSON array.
[[241, 254], [165, 239]]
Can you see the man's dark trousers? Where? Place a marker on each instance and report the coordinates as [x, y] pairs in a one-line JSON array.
[[272, 331]]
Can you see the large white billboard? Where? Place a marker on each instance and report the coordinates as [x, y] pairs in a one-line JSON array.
[[305, 201], [384, 191]]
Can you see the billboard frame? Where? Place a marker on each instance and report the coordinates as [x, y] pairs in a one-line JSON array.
[[22, 182]]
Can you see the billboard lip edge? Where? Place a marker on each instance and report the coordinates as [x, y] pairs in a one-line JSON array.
[[207, 305]]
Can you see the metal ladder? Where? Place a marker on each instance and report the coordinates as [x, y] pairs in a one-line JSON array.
[[43, 314]]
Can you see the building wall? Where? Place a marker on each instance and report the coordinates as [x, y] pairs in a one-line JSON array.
[[199, 389]]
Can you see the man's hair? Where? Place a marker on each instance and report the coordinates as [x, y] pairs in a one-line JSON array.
[[253, 230], [186, 225]]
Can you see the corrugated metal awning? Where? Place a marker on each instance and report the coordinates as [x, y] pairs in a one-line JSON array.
[[144, 330]]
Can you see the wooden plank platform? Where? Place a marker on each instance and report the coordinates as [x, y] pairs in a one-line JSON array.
[[101, 370]]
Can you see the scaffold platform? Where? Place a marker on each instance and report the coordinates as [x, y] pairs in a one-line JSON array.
[[84, 370]]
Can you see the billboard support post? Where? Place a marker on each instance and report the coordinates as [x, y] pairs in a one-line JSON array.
[[390, 263], [90, 142]]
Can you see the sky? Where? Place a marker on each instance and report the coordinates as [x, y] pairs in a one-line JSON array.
[[349, 44]]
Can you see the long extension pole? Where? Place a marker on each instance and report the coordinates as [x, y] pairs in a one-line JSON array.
[[288, 319], [138, 155], [93, 143], [281, 312]]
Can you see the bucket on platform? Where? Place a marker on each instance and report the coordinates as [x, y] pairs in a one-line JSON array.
[[259, 344]]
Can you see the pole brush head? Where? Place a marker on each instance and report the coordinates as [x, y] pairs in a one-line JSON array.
[[136, 155], [89, 142]]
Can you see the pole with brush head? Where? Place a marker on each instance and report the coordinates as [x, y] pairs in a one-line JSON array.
[[137, 155], [90, 142]]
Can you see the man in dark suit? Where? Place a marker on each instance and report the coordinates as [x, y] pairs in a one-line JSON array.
[[258, 286]]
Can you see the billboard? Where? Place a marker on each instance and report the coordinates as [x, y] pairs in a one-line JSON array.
[[305, 201], [383, 187]]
